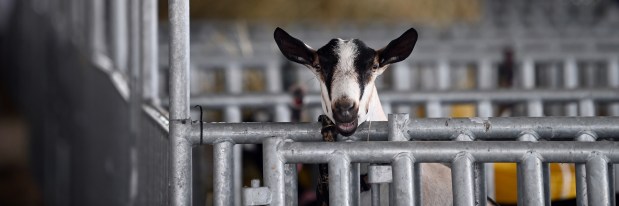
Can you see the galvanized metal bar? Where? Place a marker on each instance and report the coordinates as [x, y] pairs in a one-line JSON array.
[[528, 73], [339, 180], [97, 28], [598, 185], [179, 59], [223, 191], [463, 180], [404, 188], [607, 95], [441, 151], [611, 181], [485, 74], [586, 108], [532, 180], [434, 109], [442, 71], [237, 170], [375, 192], [581, 171], [150, 51], [484, 109], [355, 183], [570, 77], [479, 174], [282, 113], [120, 34], [180, 164], [551, 128], [535, 108], [290, 179], [273, 170], [232, 114], [613, 81], [180, 127], [397, 127]]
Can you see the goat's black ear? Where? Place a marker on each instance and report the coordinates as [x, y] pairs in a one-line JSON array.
[[398, 49], [295, 50]]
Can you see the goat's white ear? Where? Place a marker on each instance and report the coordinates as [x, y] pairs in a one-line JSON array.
[[295, 50], [398, 49]]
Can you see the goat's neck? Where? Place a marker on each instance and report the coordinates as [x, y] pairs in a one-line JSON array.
[[375, 108]]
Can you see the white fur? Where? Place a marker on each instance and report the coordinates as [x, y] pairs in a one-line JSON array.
[[345, 83]]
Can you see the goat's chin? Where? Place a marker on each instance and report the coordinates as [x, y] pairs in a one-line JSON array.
[[346, 129]]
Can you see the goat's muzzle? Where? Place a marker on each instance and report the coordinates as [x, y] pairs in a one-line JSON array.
[[345, 116]]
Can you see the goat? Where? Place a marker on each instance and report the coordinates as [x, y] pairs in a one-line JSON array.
[[347, 70]]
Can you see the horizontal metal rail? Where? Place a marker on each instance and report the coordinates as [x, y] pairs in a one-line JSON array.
[[443, 151], [493, 128], [499, 96]]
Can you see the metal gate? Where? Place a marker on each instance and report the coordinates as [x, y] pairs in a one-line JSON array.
[[586, 148]]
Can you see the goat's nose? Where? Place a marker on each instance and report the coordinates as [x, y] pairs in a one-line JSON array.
[[345, 106]]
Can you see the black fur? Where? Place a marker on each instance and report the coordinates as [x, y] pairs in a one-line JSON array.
[[363, 64]]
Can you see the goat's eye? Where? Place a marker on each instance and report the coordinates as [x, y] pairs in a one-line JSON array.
[[316, 66], [375, 66]]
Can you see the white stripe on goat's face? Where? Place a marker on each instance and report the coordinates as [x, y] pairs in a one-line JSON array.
[[346, 70]]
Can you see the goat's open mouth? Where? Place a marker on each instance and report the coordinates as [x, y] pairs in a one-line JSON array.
[[346, 129]]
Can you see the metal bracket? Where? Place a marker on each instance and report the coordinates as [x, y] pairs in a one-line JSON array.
[[379, 174], [256, 195]]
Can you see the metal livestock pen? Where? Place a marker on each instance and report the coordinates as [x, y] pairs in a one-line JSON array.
[[155, 158]]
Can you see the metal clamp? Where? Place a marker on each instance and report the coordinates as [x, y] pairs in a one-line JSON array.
[[256, 195], [379, 174]]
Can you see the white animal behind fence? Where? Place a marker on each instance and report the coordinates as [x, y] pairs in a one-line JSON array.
[[347, 70]]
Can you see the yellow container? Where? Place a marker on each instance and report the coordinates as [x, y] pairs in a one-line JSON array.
[[562, 182]]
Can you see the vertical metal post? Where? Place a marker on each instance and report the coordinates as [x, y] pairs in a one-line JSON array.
[[598, 185], [485, 74], [375, 194], [355, 183], [273, 171], [404, 183], [434, 109], [528, 73], [484, 109], [274, 85], [290, 179], [443, 74], [586, 107], [339, 181], [119, 37], [180, 146], [535, 108], [406, 176], [463, 180], [531, 168], [97, 28], [223, 173], [479, 174], [234, 83], [571, 81], [150, 51], [613, 81], [581, 172]]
